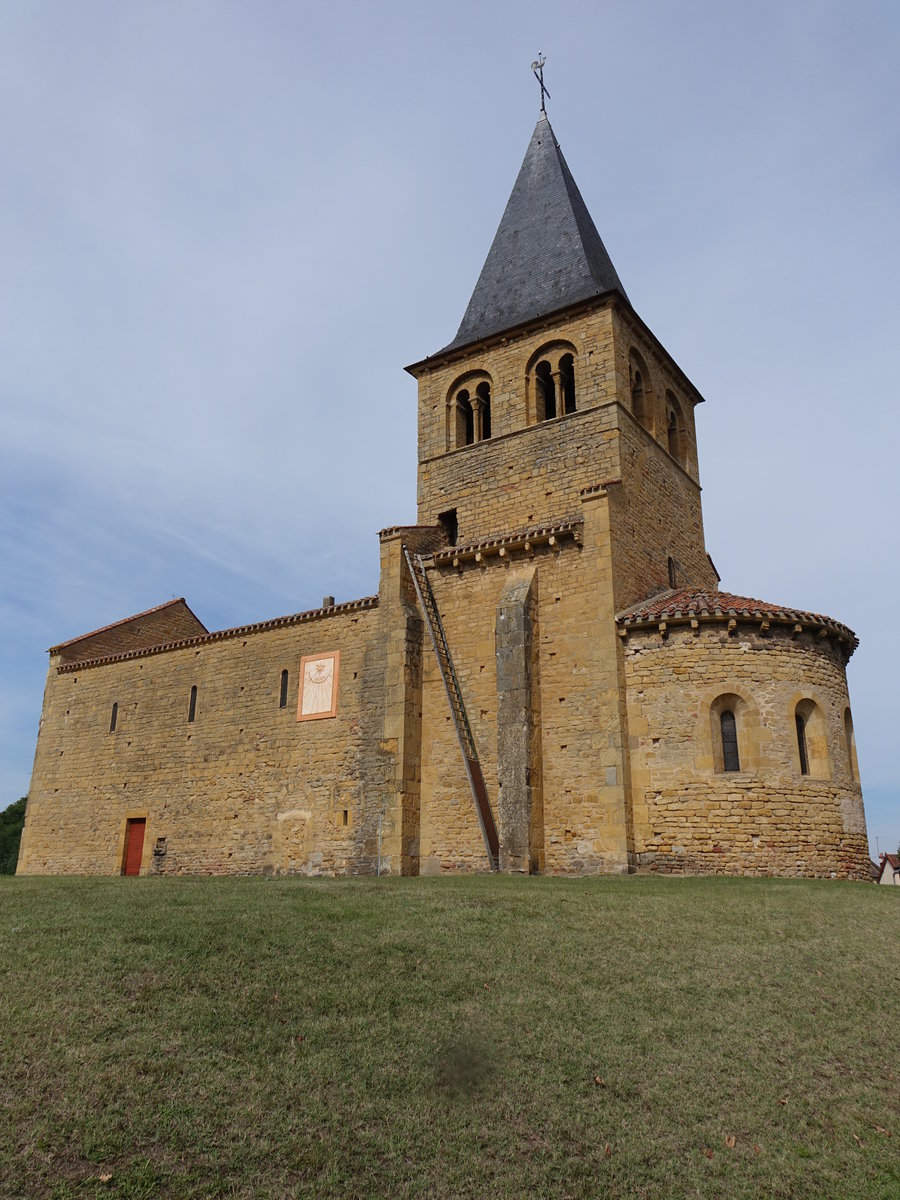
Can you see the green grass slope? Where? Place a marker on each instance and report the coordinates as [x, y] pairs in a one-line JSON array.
[[480, 1037]]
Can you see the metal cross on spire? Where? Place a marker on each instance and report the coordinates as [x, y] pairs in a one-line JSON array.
[[538, 68]]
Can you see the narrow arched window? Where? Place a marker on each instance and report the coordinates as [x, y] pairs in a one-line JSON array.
[[801, 743], [113, 718], [567, 382], [546, 391], [730, 758], [851, 746], [192, 707], [637, 396], [282, 699], [483, 392], [672, 433]]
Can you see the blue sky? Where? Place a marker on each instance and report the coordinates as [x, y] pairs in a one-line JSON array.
[[225, 228]]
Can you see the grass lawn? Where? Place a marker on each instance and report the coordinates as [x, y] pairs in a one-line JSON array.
[[495, 1037]]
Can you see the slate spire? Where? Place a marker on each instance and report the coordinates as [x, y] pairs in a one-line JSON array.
[[547, 252]]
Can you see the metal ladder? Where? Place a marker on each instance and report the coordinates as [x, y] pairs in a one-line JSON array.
[[457, 707]]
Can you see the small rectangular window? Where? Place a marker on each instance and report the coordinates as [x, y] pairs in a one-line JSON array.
[[282, 700], [114, 716], [192, 708]]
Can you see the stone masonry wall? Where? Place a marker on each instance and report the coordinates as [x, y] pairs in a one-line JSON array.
[[655, 514], [526, 473], [581, 751], [244, 788], [689, 815]]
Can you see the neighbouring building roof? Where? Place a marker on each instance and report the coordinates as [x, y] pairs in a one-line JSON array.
[[889, 860], [685, 603], [149, 628], [546, 253], [205, 637]]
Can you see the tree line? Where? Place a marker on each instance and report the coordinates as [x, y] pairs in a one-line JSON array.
[[11, 821]]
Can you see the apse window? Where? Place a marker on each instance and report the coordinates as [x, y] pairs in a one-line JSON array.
[[731, 760]]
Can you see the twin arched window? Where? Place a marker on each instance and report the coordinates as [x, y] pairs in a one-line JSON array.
[[553, 378], [470, 414]]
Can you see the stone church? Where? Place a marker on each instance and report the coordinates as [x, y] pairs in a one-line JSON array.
[[548, 678]]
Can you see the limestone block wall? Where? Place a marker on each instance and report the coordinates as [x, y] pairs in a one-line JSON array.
[[526, 472], [656, 515], [245, 787], [692, 816], [519, 481], [581, 751]]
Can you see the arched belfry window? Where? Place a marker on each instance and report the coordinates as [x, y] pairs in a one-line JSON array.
[[551, 382], [731, 760], [676, 440], [641, 391], [567, 382], [482, 411], [469, 415], [546, 391]]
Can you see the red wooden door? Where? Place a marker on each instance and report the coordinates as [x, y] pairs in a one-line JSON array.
[[134, 846]]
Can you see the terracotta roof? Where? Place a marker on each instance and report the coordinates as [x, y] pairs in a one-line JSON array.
[[126, 621], [889, 860], [685, 603], [220, 635]]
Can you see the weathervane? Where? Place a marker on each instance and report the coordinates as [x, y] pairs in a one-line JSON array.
[[538, 68]]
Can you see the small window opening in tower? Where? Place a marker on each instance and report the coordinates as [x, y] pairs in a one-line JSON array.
[[567, 382], [672, 576], [114, 716], [672, 433], [449, 526], [282, 699], [483, 392], [637, 396], [730, 757], [465, 420], [801, 743], [192, 707], [546, 391]]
